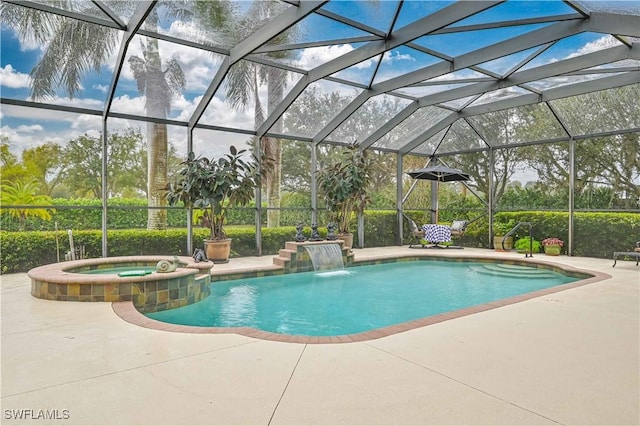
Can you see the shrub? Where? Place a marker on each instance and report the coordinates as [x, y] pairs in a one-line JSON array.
[[596, 235]]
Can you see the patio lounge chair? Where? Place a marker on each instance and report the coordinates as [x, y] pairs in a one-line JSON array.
[[623, 254], [456, 229], [417, 234]]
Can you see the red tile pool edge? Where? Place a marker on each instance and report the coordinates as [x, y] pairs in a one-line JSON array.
[[128, 313]]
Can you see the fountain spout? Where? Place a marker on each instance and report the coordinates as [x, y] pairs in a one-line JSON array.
[[325, 256]]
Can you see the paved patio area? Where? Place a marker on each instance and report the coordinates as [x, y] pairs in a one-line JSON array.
[[571, 357]]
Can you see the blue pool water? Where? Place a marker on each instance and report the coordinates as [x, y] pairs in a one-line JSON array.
[[360, 298], [119, 269]]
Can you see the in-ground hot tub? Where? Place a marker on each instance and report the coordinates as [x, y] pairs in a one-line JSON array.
[[97, 280]]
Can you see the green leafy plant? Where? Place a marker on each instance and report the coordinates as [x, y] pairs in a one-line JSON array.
[[344, 183], [502, 228], [214, 185], [523, 244]]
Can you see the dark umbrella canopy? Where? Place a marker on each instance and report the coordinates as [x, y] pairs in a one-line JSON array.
[[439, 173]]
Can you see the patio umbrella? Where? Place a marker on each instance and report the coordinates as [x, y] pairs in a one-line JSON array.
[[439, 173]]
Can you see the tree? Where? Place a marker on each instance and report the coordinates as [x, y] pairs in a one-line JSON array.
[[158, 86], [10, 168], [43, 164], [73, 47], [82, 164], [23, 194], [244, 82]]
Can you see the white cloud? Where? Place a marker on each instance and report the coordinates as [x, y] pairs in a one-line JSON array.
[[314, 56], [389, 57], [101, 87], [30, 129], [14, 79], [602, 43]]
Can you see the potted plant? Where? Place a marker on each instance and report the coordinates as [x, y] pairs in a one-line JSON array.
[[500, 229], [344, 183], [552, 246], [527, 245], [214, 185]]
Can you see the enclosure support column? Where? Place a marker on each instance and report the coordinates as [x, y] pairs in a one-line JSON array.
[[104, 187], [314, 188], [490, 206], [258, 197], [190, 209], [399, 200], [572, 176], [434, 194]]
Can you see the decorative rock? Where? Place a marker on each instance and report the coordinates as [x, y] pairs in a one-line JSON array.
[[164, 266]]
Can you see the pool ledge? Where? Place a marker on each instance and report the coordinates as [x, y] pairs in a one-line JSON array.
[[65, 281], [128, 312]]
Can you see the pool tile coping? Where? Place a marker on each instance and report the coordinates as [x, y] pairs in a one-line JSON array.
[[127, 311]]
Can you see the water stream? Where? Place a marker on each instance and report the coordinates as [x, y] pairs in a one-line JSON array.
[[325, 256]]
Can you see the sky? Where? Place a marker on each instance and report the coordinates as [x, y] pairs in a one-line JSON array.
[[26, 129]]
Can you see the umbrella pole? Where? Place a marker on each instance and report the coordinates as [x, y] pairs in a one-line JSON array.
[[434, 201]]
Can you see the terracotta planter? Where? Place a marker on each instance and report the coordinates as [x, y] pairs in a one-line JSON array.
[[552, 250], [497, 243], [218, 251], [348, 240]]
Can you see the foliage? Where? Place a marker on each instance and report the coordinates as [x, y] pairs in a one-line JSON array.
[[501, 228], [525, 243], [22, 195], [84, 214], [215, 185], [82, 164], [597, 235], [344, 183]]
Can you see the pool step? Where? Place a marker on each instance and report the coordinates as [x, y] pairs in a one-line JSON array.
[[515, 271]]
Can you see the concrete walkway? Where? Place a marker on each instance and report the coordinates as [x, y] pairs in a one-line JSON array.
[[572, 357]]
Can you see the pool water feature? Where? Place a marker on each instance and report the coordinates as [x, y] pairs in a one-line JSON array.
[[325, 256], [368, 298]]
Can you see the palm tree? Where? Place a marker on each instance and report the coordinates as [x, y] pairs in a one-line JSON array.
[[74, 47], [244, 81], [158, 86], [22, 195]]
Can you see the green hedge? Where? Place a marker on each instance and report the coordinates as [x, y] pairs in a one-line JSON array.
[[596, 235]]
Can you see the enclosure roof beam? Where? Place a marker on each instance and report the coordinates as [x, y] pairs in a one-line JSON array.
[[280, 23], [137, 19], [67, 13], [552, 94], [283, 47], [556, 93], [390, 124], [613, 54], [516, 44], [613, 23], [426, 25], [110, 13], [433, 130]]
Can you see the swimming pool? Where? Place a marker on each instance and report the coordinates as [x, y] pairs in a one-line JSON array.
[[362, 298]]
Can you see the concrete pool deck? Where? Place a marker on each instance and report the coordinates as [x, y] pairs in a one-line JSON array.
[[572, 357]]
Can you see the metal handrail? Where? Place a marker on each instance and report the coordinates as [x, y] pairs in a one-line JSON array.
[[529, 253]]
